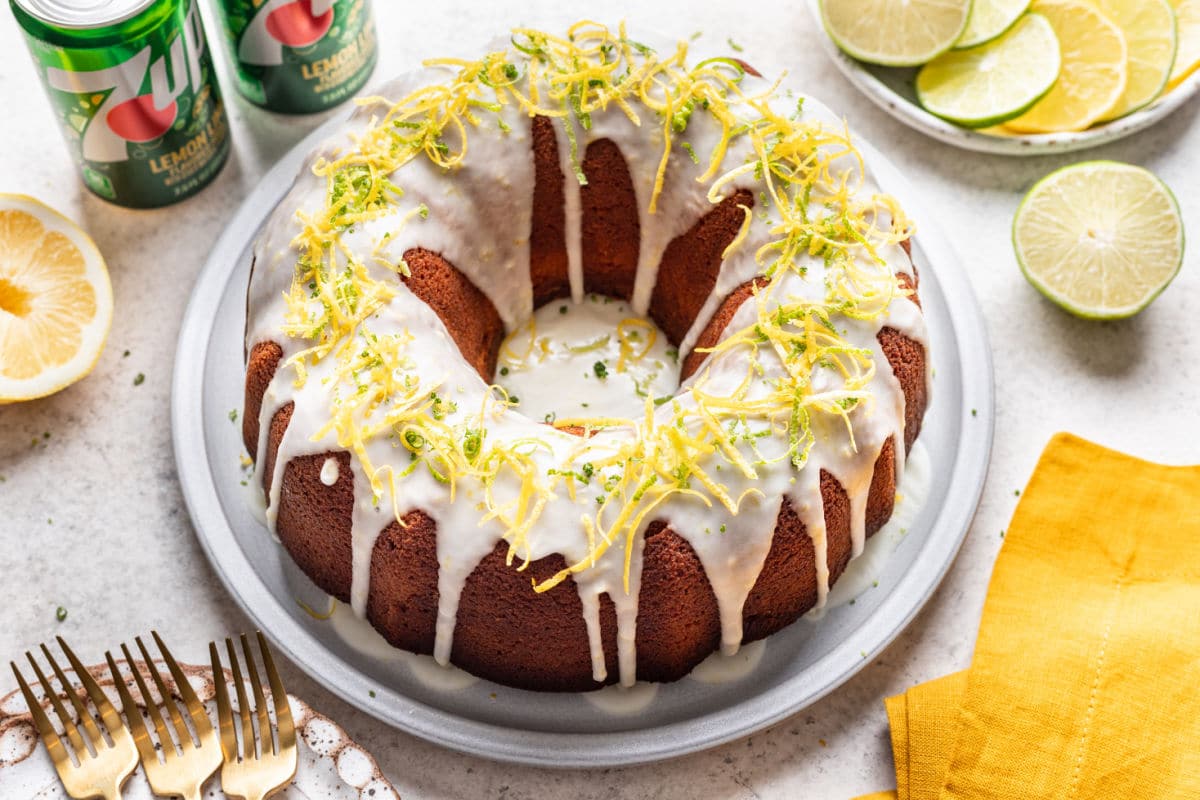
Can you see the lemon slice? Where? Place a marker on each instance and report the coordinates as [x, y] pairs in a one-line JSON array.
[[55, 300], [1099, 239], [895, 33], [1149, 29], [1093, 75], [994, 82], [1187, 58], [989, 19]]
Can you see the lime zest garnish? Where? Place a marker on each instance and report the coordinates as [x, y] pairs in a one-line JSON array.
[[808, 175]]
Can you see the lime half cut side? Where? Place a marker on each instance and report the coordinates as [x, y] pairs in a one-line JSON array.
[[994, 82], [1099, 239], [895, 33], [989, 19]]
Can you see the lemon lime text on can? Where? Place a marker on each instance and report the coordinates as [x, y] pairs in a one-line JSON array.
[[133, 85], [300, 56]]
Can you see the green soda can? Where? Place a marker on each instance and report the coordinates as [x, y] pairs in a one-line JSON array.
[[300, 56], [133, 84]]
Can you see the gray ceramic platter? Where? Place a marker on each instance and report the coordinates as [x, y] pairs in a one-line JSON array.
[[798, 666]]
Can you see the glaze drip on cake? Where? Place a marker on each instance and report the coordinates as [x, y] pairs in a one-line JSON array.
[[409, 247]]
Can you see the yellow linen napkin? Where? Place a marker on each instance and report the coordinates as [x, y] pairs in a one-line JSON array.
[[1085, 682]]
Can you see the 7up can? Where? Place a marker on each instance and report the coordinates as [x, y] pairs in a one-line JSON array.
[[133, 84], [299, 56]]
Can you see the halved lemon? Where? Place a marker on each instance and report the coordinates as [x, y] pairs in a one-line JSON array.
[[895, 33], [1149, 29], [1100, 239], [55, 300], [993, 82], [1094, 73], [989, 19], [1187, 58]]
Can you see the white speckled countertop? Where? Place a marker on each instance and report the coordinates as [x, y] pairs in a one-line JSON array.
[[92, 519]]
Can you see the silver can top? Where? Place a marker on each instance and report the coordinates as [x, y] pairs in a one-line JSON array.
[[82, 14]]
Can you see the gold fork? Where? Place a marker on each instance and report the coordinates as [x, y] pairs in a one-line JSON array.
[[264, 764], [184, 766], [101, 764]]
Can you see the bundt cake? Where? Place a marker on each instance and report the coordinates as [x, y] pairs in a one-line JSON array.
[[563, 551]]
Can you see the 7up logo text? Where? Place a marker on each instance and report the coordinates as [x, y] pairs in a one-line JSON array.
[[141, 112], [127, 115]]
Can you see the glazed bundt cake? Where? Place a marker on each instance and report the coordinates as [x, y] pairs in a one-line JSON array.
[[562, 551]]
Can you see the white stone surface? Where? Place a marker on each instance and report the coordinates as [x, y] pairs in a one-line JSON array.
[[92, 519]]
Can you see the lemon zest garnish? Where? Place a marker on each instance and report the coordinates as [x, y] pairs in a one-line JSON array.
[[312, 612], [626, 329], [808, 175]]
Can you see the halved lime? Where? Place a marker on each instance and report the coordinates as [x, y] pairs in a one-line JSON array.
[[1099, 239], [895, 33], [994, 82], [1149, 28], [989, 19]]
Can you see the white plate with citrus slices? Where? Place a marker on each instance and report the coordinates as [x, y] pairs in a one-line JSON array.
[[1018, 77]]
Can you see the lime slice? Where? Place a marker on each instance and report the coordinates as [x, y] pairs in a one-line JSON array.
[[994, 82], [989, 19], [1093, 76], [1187, 58], [895, 33], [1099, 239], [1149, 28]]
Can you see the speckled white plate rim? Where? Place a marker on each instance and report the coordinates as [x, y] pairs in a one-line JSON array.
[[35, 765], [966, 475], [917, 118]]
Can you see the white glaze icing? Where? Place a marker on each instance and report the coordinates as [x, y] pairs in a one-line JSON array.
[[479, 220], [329, 471], [623, 701], [862, 574], [556, 374], [721, 668], [358, 634]]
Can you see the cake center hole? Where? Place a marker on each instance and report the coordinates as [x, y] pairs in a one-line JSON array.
[[14, 299], [592, 359]]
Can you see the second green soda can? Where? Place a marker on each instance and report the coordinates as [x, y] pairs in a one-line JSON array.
[[299, 56]]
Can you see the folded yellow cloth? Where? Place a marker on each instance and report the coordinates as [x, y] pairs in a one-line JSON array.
[[1085, 683]]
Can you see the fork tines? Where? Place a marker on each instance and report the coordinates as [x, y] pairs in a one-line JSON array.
[[187, 760], [266, 759], [97, 762]]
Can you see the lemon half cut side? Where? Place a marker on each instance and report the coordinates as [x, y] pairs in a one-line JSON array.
[[55, 300]]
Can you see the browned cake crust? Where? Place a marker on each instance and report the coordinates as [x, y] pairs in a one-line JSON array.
[[467, 313], [610, 232], [506, 632], [260, 368], [548, 228], [716, 326], [691, 263]]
